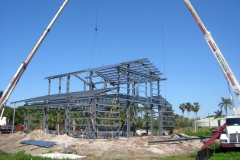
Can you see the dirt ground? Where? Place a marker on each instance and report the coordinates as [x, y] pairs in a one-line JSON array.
[[124, 148]]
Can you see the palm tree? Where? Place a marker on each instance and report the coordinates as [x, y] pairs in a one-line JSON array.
[[182, 107], [1, 93], [196, 108], [189, 108], [226, 102], [218, 114]]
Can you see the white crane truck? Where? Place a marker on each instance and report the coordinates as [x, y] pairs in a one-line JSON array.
[[231, 137], [6, 94]]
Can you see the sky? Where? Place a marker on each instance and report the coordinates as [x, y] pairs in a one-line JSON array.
[[163, 31]]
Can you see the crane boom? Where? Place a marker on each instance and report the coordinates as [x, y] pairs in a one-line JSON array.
[[230, 130], [217, 53], [24, 64]]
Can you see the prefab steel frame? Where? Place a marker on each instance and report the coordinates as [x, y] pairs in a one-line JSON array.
[[106, 91]]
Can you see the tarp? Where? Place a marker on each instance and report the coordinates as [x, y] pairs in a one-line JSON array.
[[40, 143]]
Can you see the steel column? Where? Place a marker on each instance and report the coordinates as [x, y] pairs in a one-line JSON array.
[[49, 86], [68, 84], [59, 85], [58, 118]]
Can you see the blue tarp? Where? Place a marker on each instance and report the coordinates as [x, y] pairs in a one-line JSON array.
[[46, 144]]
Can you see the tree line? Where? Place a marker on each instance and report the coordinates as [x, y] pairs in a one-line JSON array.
[[225, 104], [139, 120]]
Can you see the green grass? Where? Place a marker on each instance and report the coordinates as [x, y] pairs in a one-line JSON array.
[[218, 156], [224, 156], [190, 156], [199, 133], [215, 146], [202, 130]]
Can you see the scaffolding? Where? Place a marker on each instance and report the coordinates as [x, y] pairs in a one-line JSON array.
[[107, 92]]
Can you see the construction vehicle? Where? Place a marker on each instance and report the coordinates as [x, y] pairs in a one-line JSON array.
[[4, 127], [230, 139], [6, 94]]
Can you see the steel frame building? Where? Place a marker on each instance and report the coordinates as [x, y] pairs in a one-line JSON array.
[[107, 92]]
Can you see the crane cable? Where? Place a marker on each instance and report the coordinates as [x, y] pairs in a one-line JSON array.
[[231, 97], [96, 37]]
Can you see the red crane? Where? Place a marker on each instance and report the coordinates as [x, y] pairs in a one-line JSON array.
[[232, 124]]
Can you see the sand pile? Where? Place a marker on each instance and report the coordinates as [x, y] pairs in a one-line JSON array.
[[41, 135], [133, 148]]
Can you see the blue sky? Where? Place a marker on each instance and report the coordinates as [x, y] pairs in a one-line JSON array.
[[161, 30]]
